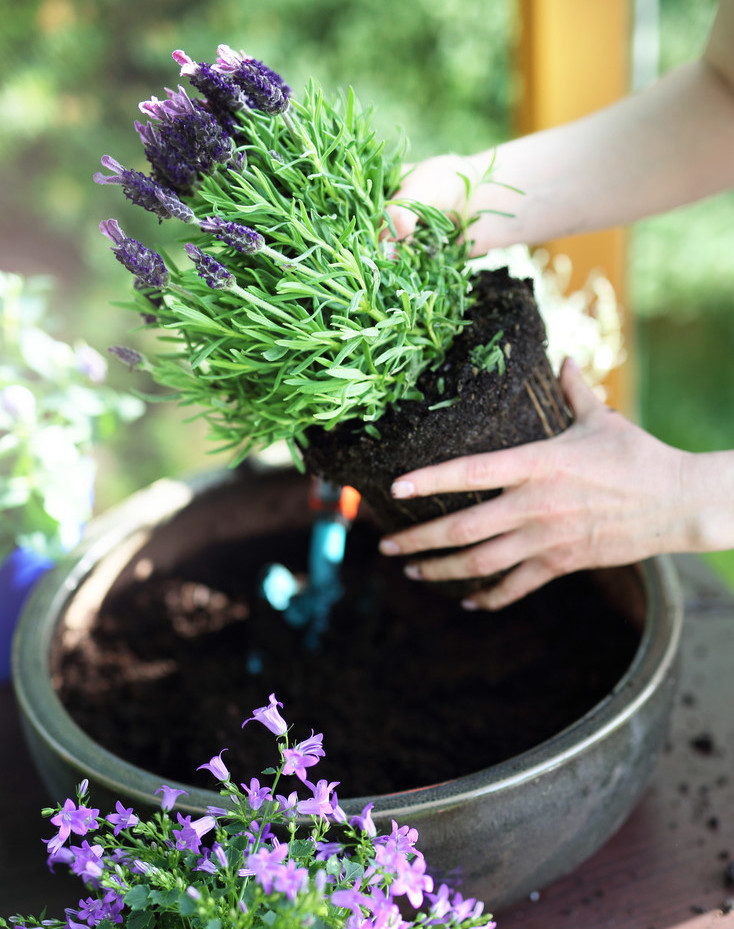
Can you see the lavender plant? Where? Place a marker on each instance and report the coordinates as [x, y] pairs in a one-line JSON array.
[[229, 869], [288, 306]]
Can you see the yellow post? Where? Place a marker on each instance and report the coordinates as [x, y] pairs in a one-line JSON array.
[[573, 59]]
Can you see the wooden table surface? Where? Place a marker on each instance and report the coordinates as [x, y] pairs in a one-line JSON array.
[[670, 866]]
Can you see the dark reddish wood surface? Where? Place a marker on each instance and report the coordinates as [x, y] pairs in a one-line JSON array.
[[665, 869]]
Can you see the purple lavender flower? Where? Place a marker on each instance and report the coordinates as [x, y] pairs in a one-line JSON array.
[[144, 191], [211, 271], [122, 819], [184, 143], [236, 78], [245, 240], [128, 356], [217, 767], [270, 717], [147, 266], [170, 796]]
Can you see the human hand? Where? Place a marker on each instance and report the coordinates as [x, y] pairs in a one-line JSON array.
[[438, 182], [604, 492]]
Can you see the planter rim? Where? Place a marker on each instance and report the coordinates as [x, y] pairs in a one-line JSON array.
[[121, 528]]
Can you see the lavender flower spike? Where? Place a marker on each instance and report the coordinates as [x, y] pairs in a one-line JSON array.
[[245, 240], [261, 88], [144, 191], [209, 269], [185, 143], [147, 266]]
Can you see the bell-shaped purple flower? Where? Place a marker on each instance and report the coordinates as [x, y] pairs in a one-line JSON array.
[[211, 271], [245, 240], [144, 191], [270, 717], [184, 142], [147, 266], [217, 767]]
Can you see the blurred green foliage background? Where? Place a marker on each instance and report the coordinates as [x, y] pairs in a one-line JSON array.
[[441, 71]]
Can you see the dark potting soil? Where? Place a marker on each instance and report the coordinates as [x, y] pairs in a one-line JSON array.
[[408, 688], [465, 409]]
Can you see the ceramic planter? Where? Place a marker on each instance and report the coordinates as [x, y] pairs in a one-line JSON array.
[[502, 831]]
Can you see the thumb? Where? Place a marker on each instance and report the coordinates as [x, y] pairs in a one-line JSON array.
[[581, 398], [402, 220]]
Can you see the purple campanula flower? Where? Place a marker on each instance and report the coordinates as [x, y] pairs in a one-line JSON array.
[[245, 240], [412, 881], [270, 717], [211, 271], [184, 142], [144, 191], [287, 805], [266, 863], [122, 819], [303, 755], [321, 804], [147, 266], [364, 821], [217, 767], [170, 796], [188, 837], [256, 794], [87, 861], [351, 898], [93, 911], [289, 879], [71, 819]]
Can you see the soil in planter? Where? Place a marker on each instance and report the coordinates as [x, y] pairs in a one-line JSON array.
[[465, 409], [407, 688]]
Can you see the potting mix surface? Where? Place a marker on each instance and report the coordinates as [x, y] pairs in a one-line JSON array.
[[408, 688]]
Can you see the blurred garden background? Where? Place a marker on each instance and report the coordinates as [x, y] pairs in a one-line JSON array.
[[441, 71]]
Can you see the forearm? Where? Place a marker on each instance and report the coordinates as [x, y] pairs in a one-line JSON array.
[[668, 145], [707, 500]]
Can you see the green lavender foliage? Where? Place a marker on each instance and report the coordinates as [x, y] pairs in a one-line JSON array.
[[329, 321]]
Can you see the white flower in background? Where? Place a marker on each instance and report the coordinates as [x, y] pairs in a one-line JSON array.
[[54, 408], [584, 324]]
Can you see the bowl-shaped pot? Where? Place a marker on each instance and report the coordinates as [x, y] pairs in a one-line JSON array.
[[501, 832]]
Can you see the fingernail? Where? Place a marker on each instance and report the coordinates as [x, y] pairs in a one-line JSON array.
[[413, 571], [469, 605], [401, 489], [388, 547]]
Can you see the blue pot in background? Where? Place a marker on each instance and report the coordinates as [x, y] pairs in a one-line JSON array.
[[18, 573]]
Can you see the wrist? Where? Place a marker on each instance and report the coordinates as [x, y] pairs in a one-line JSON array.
[[707, 489]]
